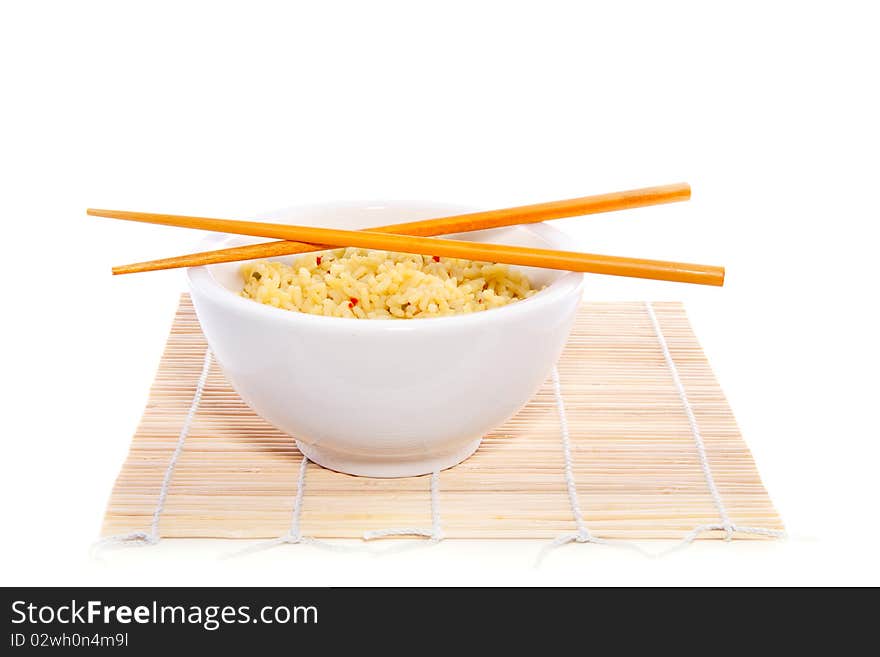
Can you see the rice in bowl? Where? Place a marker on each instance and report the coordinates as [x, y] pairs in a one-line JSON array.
[[366, 284]]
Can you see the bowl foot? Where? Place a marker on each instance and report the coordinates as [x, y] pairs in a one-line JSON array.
[[374, 467]]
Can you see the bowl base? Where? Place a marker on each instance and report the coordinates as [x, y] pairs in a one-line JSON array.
[[366, 467]]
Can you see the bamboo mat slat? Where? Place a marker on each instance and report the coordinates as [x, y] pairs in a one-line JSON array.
[[634, 459]]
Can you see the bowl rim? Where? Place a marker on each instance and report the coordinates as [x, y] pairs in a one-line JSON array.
[[201, 279]]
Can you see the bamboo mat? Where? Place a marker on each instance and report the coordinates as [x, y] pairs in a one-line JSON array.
[[635, 463]]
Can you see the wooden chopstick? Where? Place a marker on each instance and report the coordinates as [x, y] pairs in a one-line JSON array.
[[514, 255], [632, 198]]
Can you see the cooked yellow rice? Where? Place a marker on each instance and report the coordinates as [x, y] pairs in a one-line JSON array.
[[381, 285]]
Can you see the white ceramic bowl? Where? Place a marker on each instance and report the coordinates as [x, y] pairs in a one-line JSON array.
[[386, 398]]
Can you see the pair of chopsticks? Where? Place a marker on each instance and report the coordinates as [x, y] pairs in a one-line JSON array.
[[416, 237]]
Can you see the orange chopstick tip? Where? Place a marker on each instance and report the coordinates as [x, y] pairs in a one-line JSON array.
[[674, 192]]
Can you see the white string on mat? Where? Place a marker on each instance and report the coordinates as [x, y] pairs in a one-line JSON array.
[[151, 537], [434, 534], [583, 535], [726, 525], [295, 537]]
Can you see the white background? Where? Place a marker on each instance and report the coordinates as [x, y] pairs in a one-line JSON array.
[[769, 110]]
